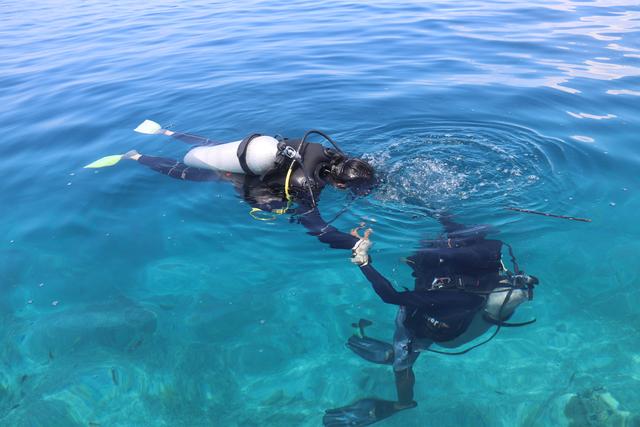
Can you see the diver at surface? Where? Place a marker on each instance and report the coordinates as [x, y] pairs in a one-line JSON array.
[[461, 290], [272, 174]]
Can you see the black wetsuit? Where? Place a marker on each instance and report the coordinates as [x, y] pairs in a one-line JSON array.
[[268, 192]]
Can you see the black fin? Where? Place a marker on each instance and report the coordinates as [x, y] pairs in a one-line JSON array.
[[362, 323], [371, 349], [362, 413]]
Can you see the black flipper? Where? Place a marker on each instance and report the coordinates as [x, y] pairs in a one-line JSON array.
[[361, 413], [361, 325], [371, 349]]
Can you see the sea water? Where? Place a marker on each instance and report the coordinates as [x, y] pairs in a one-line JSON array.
[[132, 299]]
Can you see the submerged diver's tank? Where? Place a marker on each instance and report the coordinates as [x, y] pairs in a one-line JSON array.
[[499, 308], [259, 153]]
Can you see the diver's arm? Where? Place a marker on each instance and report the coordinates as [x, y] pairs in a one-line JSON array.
[[360, 256], [188, 138], [384, 288], [316, 226], [427, 301]]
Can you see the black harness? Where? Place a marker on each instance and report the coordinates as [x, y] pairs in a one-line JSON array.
[[242, 153]]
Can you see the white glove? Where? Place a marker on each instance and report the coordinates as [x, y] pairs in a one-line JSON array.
[[360, 252]]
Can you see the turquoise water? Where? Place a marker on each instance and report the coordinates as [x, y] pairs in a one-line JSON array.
[[131, 299]]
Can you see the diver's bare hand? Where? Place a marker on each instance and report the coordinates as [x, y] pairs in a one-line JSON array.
[[360, 251], [367, 233]]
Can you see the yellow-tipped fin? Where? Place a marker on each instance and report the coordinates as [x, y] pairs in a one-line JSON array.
[[105, 162]]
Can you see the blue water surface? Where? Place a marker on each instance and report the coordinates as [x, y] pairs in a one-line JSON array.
[[132, 299]]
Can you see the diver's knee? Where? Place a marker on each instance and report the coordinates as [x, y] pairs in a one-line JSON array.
[[401, 364]]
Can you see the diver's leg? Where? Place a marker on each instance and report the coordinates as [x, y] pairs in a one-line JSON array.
[[404, 358], [369, 411], [174, 168], [188, 138], [405, 380]]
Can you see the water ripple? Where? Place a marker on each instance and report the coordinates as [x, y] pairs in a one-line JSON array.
[[486, 164]]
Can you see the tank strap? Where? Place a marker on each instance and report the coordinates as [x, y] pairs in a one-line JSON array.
[[242, 153], [488, 319], [262, 215]]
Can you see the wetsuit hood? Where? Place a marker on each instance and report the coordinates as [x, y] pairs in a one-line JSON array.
[[353, 173]]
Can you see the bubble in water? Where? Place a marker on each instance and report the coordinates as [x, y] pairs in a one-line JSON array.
[[452, 162]]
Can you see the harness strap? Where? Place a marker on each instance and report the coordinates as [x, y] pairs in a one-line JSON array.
[[242, 153], [258, 213], [516, 269], [488, 319], [287, 182]]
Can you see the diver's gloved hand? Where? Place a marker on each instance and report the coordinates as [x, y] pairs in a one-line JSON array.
[[360, 251]]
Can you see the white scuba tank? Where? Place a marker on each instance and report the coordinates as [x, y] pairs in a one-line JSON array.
[[497, 299], [260, 156]]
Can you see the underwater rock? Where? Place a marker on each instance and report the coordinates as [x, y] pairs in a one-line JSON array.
[[118, 324], [40, 413], [596, 407], [200, 384], [276, 398], [6, 396], [260, 357], [176, 276], [80, 390]]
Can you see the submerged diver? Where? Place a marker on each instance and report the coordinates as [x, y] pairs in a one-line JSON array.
[[271, 173], [461, 290]]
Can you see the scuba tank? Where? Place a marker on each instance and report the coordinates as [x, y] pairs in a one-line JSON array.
[[254, 155]]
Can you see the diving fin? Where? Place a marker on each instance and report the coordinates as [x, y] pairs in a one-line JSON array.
[[105, 162], [362, 413], [148, 127], [371, 349], [362, 323]]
